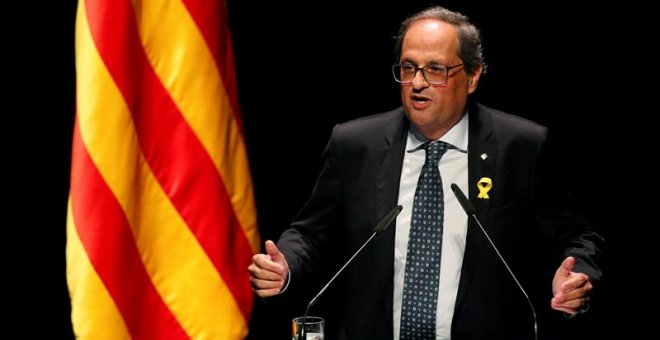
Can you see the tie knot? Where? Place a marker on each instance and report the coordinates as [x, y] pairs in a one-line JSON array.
[[435, 150]]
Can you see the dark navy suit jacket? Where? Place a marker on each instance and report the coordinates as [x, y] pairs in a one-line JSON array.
[[528, 216]]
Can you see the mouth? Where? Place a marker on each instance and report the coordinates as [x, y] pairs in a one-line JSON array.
[[420, 102]]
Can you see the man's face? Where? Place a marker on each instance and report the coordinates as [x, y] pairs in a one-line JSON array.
[[434, 109]]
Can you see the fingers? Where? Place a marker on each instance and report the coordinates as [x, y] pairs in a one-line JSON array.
[[563, 274], [266, 284], [268, 271], [271, 248], [266, 288], [574, 294], [266, 277], [267, 292], [566, 266], [572, 303], [571, 307], [265, 270], [273, 252], [576, 280], [264, 262], [568, 263]]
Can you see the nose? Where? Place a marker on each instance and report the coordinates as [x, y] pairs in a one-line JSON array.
[[418, 81]]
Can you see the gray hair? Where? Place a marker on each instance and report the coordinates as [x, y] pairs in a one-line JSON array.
[[470, 49]]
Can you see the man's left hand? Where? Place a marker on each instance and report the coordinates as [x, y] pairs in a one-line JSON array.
[[571, 290]]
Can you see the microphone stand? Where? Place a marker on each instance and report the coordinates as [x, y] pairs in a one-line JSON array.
[[382, 225], [470, 211]]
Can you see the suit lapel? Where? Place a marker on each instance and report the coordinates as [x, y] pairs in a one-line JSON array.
[[389, 162], [482, 154]]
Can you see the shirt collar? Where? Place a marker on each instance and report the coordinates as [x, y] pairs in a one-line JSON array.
[[457, 136]]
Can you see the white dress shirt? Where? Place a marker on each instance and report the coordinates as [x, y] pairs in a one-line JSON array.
[[453, 169]]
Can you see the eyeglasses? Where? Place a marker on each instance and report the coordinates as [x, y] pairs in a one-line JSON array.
[[434, 74]]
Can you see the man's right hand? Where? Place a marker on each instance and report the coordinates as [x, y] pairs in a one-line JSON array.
[[268, 272]]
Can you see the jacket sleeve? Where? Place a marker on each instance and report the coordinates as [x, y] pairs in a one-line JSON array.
[[311, 230], [556, 212]]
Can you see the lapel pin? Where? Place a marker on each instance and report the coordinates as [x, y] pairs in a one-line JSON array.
[[484, 156], [484, 185]]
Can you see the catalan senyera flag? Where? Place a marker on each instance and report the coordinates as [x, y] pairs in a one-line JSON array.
[[161, 218]]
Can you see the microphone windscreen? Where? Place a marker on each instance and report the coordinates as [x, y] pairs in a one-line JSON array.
[[465, 203], [387, 220]]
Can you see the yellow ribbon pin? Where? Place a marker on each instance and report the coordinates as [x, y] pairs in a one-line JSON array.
[[484, 186]]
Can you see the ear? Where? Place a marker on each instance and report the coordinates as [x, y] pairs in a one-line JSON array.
[[474, 79]]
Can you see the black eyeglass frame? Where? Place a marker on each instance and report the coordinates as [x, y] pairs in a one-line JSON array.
[[423, 69]]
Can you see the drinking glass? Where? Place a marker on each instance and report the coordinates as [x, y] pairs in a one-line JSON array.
[[314, 327]]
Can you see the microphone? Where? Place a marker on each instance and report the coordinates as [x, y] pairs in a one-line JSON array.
[[471, 212], [379, 228]]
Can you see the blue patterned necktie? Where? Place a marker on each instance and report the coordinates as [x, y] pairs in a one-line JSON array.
[[420, 285]]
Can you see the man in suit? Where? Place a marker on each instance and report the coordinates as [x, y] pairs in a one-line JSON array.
[[374, 163]]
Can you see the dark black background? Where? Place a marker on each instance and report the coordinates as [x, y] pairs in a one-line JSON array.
[[304, 67]]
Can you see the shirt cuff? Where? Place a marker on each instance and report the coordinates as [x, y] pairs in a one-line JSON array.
[[288, 280]]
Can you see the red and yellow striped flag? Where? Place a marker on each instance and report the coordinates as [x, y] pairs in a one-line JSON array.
[[162, 223]]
